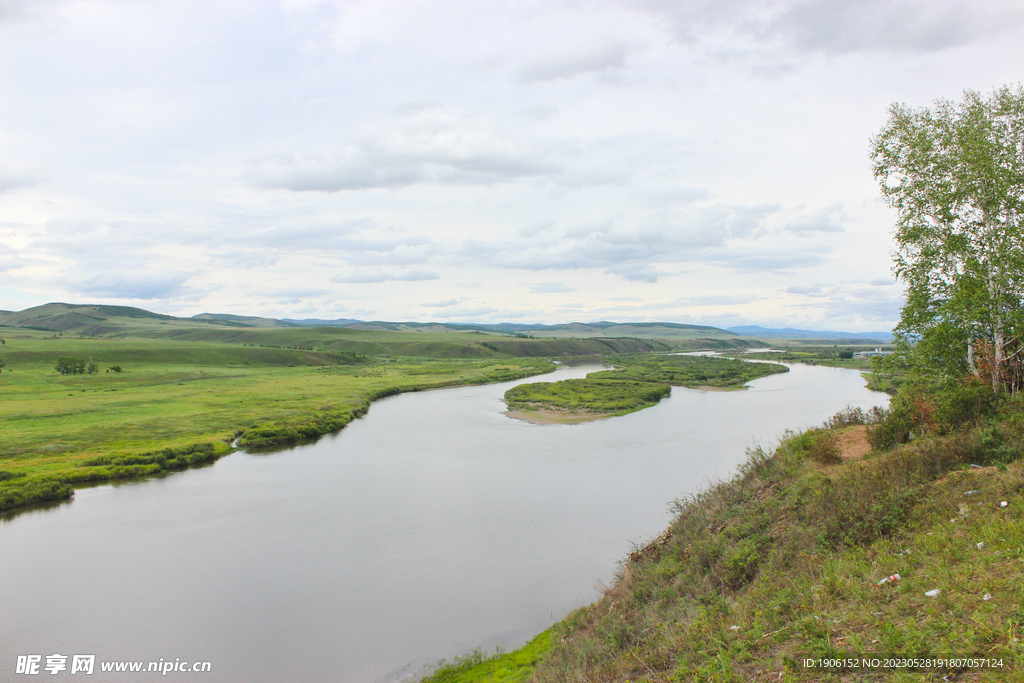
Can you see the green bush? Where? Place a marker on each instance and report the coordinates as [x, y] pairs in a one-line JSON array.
[[23, 491], [821, 446], [70, 365]]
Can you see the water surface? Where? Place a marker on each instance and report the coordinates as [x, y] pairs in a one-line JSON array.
[[431, 526]]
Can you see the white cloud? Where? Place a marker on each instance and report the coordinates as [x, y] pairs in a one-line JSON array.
[[376, 276]]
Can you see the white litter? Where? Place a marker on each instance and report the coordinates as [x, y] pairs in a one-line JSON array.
[[1003, 504], [988, 596], [932, 593], [980, 544]]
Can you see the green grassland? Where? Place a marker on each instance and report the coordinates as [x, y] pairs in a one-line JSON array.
[[178, 403], [688, 371], [638, 381], [781, 563], [600, 397]]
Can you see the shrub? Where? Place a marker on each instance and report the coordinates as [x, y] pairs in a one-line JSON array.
[[821, 446], [22, 491], [70, 365]]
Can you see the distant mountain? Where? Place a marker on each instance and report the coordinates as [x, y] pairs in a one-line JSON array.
[[317, 322], [101, 320], [243, 320], [90, 319], [791, 333]]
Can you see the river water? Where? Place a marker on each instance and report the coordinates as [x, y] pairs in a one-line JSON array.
[[431, 526]]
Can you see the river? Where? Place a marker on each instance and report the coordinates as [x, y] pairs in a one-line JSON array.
[[433, 525]]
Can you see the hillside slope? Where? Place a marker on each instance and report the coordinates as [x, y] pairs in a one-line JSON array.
[[775, 575]]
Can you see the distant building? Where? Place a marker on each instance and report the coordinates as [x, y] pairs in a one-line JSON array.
[[877, 352]]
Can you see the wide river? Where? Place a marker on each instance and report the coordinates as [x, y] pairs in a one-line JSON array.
[[431, 526]]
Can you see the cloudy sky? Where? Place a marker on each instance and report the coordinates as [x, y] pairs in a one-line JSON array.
[[688, 161]]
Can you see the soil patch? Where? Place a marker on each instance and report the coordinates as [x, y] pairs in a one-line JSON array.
[[544, 416], [853, 444]]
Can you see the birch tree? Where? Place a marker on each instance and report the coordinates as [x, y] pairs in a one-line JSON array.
[[954, 173]]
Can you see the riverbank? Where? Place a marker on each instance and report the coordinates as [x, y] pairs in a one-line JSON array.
[[174, 405], [785, 563]]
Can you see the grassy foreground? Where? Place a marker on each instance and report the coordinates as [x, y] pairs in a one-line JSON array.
[[638, 381], [780, 564], [175, 404]]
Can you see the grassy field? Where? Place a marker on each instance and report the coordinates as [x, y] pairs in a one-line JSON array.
[[688, 371], [178, 403], [783, 563], [638, 381], [600, 397]]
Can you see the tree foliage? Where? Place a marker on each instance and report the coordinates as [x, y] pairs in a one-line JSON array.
[[70, 365], [955, 175]]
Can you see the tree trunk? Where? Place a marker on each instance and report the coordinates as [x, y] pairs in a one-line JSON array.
[[995, 302]]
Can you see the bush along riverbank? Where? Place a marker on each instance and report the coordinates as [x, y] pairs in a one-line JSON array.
[[51, 474], [818, 555], [637, 382]]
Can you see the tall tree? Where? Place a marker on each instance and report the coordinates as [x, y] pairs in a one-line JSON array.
[[955, 175]]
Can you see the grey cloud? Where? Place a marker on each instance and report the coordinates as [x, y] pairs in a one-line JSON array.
[[245, 258], [551, 288], [135, 285], [839, 27], [826, 220], [807, 291], [369, 277], [534, 229], [869, 304], [20, 10], [836, 27], [631, 252], [635, 272], [438, 150], [576, 62], [442, 304], [541, 112], [882, 282], [769, 262], [12, 180], [354, 242]]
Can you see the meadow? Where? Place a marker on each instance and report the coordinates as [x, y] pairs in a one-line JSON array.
[[176, 403], [637, 382]]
